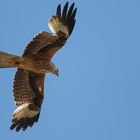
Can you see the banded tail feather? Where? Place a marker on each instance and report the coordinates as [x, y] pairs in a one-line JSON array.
[[8, 60]]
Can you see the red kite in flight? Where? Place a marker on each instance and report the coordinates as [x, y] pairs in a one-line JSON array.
[[28, 88]]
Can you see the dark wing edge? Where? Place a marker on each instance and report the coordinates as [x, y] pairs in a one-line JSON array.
[[28, 95], [64, 20], [25, 116]]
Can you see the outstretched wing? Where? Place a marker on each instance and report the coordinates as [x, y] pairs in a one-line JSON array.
[[61, 25], [46, 44], [38, 42], [28, 95]]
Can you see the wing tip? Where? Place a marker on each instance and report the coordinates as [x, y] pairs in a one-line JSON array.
[[23, 124], [24, 116], [64, 20]]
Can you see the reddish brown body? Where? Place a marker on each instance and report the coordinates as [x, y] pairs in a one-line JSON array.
[[28, 88]]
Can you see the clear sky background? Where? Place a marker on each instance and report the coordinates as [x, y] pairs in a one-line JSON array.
[[97, 95]]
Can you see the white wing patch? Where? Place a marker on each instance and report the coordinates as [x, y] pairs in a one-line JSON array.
[[40, 88], [23, 111], [55, 26]]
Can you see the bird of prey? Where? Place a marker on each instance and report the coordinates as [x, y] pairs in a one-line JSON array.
[[28, 87]]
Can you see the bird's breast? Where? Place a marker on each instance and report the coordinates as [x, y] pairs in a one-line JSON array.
[[35, 65]]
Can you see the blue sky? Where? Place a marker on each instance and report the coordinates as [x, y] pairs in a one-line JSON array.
[[96, 96]]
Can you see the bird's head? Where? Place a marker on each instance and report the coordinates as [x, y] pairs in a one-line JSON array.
[[56, 72]]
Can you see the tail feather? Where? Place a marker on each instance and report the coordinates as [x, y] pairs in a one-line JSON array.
[[64, 20], [8, 60]]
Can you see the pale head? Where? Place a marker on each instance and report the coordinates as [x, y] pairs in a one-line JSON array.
[[54, 70]]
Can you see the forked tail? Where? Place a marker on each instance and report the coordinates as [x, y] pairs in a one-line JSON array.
[[8, 60]]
